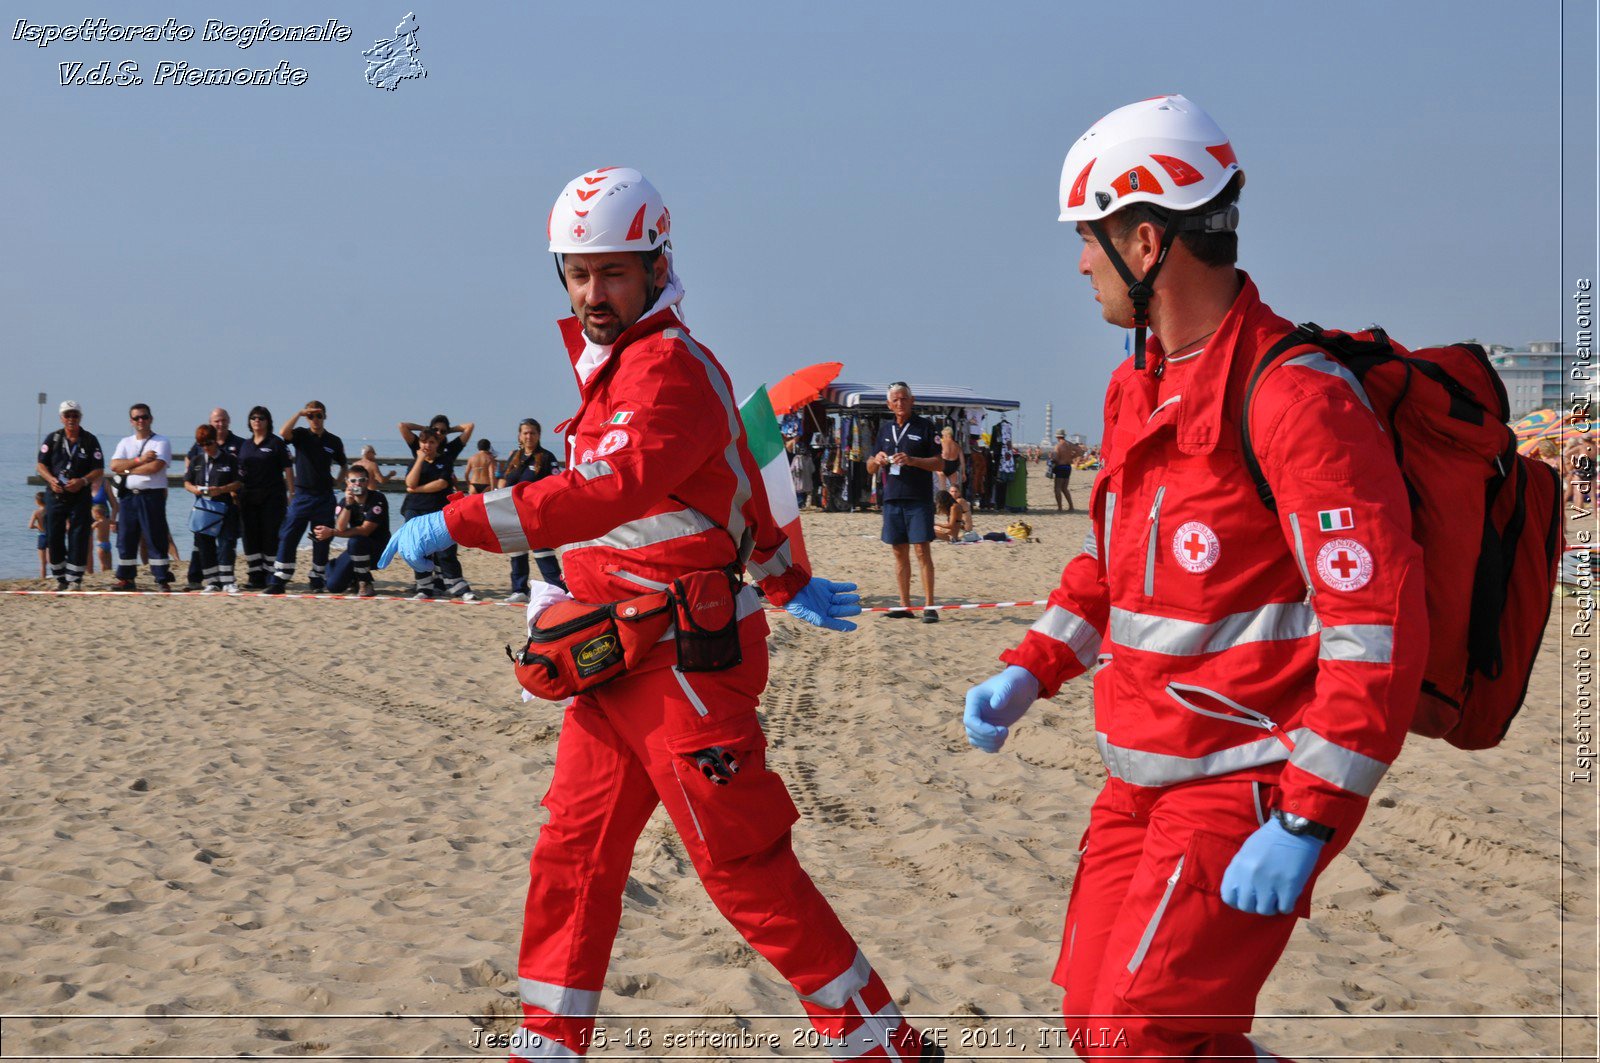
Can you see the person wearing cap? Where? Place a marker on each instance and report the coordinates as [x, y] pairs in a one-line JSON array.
[[71, 465], [907, 452], [1061, 458], [141, 459], [661, 487], [1254, 674]]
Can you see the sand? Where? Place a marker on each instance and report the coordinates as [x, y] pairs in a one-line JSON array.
[[282, 827]]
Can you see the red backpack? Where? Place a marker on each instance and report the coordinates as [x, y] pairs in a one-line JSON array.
[[1489, 593]]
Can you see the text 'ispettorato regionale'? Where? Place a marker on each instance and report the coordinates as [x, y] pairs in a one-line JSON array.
[[178, 72]]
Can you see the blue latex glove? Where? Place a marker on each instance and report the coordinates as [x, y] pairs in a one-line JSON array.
[[821, 602], [416, 539], [1269, 870], [997, 703]]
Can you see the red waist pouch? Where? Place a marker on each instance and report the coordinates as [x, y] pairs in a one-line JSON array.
[[574, 647]]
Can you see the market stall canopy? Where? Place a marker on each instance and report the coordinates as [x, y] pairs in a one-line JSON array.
[[851, 395], [802, 386]]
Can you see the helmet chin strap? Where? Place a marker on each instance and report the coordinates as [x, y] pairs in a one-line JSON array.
[[1140, 291]]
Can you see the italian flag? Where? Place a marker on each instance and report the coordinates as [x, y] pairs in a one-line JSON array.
[[766, 445]]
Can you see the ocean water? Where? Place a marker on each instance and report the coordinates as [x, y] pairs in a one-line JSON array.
[[19, 555]]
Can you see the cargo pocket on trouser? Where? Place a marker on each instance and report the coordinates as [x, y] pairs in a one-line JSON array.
[[733, 813], [1199, 961]]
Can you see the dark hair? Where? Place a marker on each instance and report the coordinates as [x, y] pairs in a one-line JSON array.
[[261, 411], [38, 497], [531, 423], [1211, 249], [432, 435], [316, 405], [483, 444], [943, 500], [205, 434], [439, 419], [138, 406]]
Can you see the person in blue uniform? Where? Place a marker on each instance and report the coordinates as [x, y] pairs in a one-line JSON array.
[[213, 474], [907, 451], [228, 538], [316, 452], [530, 463], [266, 468], [429, 484], [362, 519], [71, 464]]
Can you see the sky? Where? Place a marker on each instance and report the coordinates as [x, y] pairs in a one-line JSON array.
[[867, 183]]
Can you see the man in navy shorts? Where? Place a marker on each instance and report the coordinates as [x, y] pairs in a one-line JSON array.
[[908, 447]]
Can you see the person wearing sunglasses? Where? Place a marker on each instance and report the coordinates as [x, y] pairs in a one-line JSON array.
[[71, 464], [142, 460], [316, 452]]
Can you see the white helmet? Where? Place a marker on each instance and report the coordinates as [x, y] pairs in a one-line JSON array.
[[1164, 151], [610, 209]]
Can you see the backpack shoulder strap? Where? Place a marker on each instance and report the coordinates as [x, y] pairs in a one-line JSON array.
[[1305, 335]]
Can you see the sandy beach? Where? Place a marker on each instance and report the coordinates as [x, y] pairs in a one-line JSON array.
[[289, 827]]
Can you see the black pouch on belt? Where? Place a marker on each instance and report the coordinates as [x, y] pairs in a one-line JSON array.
[[706, 619]]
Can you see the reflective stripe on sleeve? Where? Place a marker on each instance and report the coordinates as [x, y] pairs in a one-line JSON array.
[[1369, 643], [780, 562], [839, 991], [559, 999], [1076, 633], [1344, 768], [1277, 622], [501, 509], [1323, 364], [594, 470], [647, 531]]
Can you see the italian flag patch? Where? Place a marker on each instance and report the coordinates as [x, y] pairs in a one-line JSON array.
[[621, 417], [1332, 520]]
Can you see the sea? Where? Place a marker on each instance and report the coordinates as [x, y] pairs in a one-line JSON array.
[[19, 552]]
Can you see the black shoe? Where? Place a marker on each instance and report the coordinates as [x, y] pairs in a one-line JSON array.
[[192, 587], [930, 615], [61, 584], [273, 588], [901, 613], [931, 1053], [318, 587]]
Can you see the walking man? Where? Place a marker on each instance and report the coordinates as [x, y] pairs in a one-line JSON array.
[[1061, 458], [1256, 675], [661, 486]]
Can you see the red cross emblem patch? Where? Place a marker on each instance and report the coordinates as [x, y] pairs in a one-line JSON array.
[[579, 230], [1344, 564], [1196, 546]]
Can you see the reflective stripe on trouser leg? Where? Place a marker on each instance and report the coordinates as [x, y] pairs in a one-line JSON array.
[[600, 799], [858, 1017]]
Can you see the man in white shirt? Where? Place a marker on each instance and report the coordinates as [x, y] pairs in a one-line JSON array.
[[141, 460]]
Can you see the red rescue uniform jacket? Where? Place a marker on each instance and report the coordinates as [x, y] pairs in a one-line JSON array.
[[660, 480], [1287, 650]]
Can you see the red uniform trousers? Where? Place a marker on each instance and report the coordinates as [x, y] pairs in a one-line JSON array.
[[619, 755], [1154, 964]]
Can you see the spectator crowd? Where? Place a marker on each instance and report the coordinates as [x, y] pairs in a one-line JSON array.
[[263, 495]]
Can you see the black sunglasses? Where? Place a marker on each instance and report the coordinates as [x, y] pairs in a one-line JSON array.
[[72, 415], [139, 417], [316, 416]]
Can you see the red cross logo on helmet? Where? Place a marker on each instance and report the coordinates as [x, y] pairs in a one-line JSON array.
[[578, 231]]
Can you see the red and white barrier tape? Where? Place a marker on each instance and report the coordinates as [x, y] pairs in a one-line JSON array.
[[432, 601]]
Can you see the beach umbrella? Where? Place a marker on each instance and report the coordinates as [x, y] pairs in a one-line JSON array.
[[1563, 432], [802, 386], [1535, 423]]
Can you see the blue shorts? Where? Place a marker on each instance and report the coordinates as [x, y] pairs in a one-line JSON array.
[[906, 521]]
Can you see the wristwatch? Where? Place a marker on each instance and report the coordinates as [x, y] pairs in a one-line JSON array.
[[1301, 827]]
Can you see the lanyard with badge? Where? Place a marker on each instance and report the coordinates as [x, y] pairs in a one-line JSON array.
[[896, 434], [70, 453]]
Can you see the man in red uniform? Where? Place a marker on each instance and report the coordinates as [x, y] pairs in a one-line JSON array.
[[661, 483], [1256, 676]]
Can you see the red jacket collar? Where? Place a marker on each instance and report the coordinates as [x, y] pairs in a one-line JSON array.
[[1247, 328], [572, 335]]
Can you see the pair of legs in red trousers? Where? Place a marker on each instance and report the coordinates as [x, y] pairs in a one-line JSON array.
[[622, 750], [1154, 964]]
